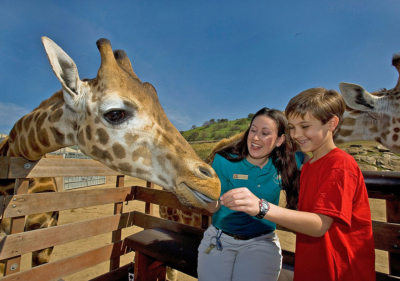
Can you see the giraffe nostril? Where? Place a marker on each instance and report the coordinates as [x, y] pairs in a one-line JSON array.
[[205, 172]]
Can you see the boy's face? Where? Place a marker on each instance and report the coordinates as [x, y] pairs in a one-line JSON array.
[[311, 134]]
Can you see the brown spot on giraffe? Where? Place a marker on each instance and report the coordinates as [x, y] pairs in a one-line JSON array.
[[101, 154], [56, 115], [81, 138], [142, 173], [58, 136], [395, 137], [119, 150], [348, 121], [396, 130], [143, 152], [32, 142], [70, 137], [27, 122], [102, 135], [88, 132], [125, 167], [374, 129], [345, 133], [130, 138], [43, 137]]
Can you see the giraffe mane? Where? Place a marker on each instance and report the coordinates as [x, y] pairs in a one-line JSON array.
[[4, 147], [56, 97]]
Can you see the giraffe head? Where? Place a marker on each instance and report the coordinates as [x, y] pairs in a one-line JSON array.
[[371, 116], [118, 120]]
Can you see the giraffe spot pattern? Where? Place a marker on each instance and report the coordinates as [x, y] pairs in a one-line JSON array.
[[395, 137], [57, 105], [58, 136], [19, 125], [88, 132], [101, 154], [125, 168], [102, 135], [374, 129], [70, 137], [119, 150], [27, 122], [130, 138], [345, 133], [32, 142], [56, 115], [396, 130], [81, 138], [348, 121], [97, 120], [164, 180], [142, 173], [43, 137], [143, 152]]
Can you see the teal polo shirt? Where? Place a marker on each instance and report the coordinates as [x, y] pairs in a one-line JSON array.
[[263, 183]]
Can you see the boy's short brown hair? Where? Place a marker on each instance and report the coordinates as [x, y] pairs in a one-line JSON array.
[[321, 103]]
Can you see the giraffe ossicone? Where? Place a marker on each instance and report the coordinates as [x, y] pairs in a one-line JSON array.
[[115, 119]]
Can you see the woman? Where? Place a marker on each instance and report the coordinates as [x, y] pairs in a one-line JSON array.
[[264, 161]]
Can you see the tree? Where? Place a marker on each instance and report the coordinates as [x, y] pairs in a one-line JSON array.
[[250, 116], [193, 136], [193, 127]]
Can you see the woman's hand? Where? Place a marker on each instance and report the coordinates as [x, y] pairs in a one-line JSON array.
[[241, 199]]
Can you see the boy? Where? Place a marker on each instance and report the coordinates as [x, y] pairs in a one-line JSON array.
[[333, 223]]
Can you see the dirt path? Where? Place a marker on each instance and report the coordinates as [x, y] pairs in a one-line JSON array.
[[76, 247]]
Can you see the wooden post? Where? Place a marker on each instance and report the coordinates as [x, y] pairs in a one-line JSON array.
[[148, 209], [393, 216], [148, 269], [13, 265], [117, 234]]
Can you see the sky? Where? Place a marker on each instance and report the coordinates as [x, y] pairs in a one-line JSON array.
[[206, 59]]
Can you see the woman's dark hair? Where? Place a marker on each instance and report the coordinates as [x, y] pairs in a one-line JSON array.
[[283, 157]]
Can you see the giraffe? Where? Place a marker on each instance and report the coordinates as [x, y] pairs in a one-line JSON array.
[[372, 116], [368, 116], [115, 119]]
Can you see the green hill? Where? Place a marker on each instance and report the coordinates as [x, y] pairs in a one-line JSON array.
[[216, 130]]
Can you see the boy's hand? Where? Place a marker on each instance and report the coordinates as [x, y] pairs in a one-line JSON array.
[[241, 199]]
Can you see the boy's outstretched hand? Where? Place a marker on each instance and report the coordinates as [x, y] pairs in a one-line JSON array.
[[241, 199]]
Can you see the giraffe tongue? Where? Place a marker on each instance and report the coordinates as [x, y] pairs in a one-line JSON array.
[[203, 197]]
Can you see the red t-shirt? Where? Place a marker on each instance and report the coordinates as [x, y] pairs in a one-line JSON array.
[[334, 186]]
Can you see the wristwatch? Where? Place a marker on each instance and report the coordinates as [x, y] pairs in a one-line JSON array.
[[264, 208]]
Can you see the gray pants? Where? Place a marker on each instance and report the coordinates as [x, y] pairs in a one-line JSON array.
[[255, 259]]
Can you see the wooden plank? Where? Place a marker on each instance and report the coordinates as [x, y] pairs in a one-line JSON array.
[[55, 167], [386, 236], [118, 274], [165, 198], [55, 201], [4, 166], [393, 216], [26, 242], [382, 182], [117, 234], [147, 221], [148, 208], [64, 267]]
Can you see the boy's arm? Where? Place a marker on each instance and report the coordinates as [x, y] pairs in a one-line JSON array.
[[242, 199]]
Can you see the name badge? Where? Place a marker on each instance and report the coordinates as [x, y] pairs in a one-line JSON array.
[[240, 177]]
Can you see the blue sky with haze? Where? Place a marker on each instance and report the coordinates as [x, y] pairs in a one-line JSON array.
[[207, 59]]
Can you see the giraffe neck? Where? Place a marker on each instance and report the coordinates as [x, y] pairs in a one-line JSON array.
[[47, 128]]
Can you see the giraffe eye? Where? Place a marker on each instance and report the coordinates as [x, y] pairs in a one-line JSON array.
[[115, 116]]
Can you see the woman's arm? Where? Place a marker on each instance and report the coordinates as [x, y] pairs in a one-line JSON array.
[[242, 199]]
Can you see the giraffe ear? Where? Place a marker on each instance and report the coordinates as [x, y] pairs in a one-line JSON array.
[[66, 71], [356, 97]]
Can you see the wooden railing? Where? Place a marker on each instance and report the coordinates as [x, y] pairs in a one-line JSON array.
[[383, 186]]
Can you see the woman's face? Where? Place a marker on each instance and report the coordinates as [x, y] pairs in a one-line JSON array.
[[262, 139]]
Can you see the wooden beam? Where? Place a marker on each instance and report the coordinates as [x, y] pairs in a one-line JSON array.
[[27, 204]]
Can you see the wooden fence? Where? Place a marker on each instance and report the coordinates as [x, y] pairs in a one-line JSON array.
[[383, 186]]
